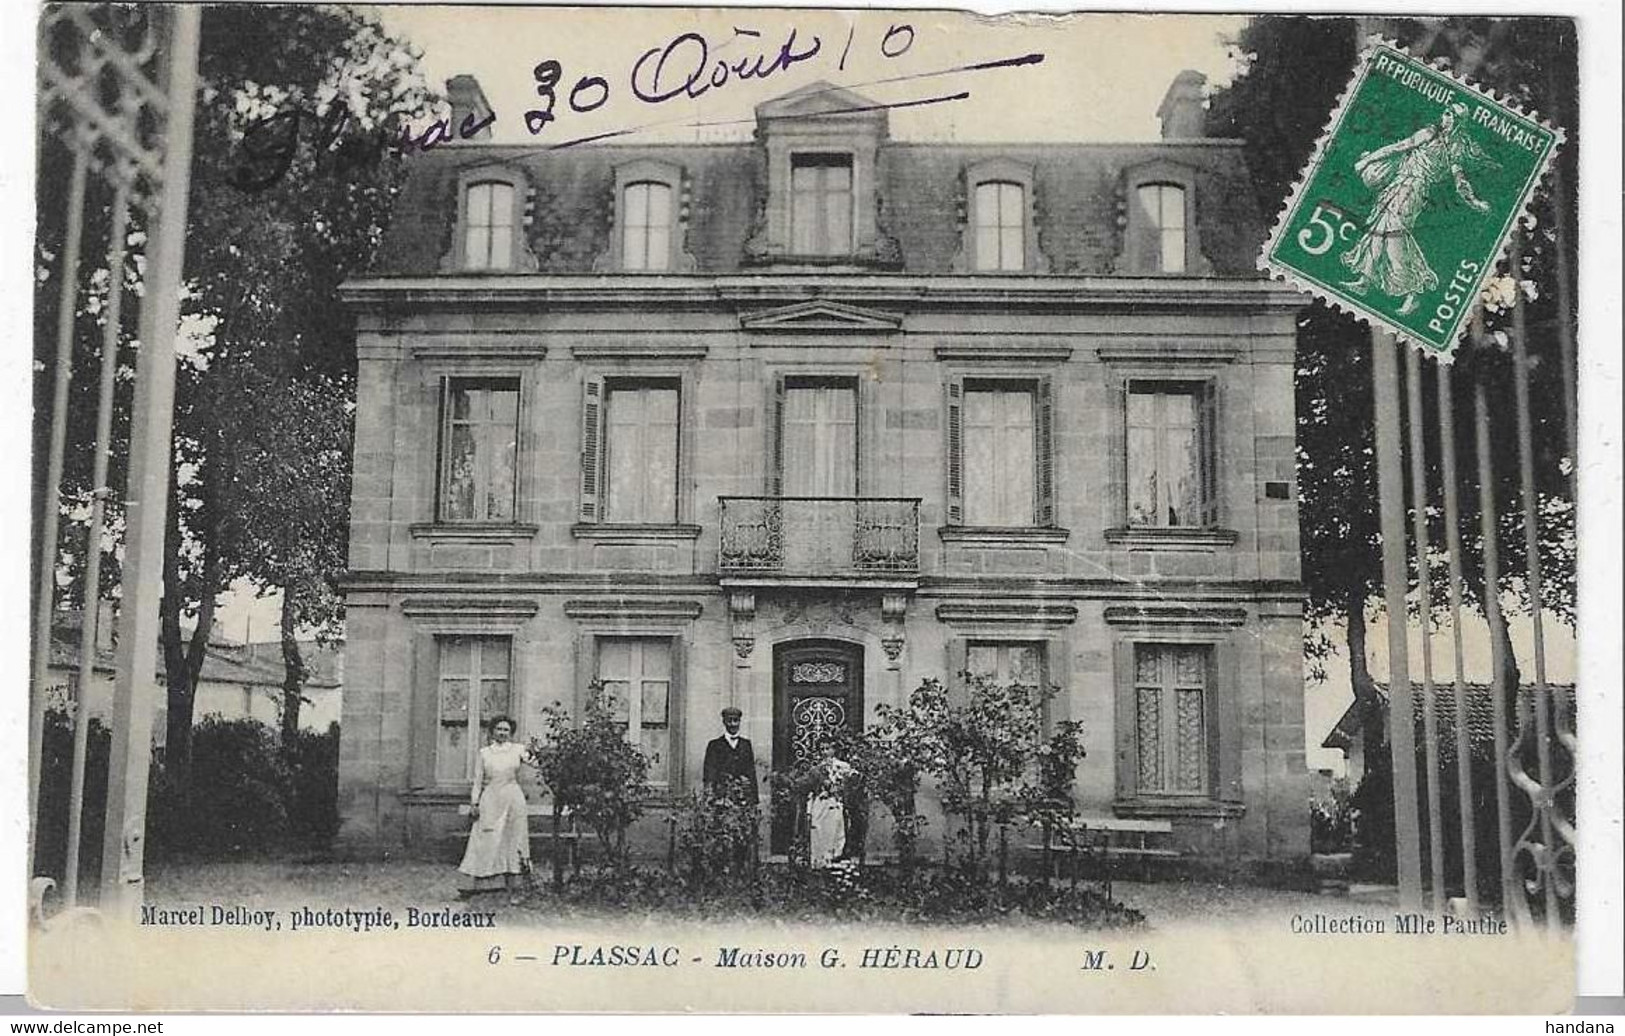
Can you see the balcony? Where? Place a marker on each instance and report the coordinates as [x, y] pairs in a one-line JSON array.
[[866, 541]]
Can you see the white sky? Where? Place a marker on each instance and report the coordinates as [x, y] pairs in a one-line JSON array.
[[1102, 76]]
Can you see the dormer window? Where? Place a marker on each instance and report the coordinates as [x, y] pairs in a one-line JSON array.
[[1161, 232], [821, 204], [490, 220], [1000, 226], [1162, 207], [651, 215], [646, 232], [489, 226], [999, 233]]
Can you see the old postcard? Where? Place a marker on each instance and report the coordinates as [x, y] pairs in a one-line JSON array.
[[768, 510]]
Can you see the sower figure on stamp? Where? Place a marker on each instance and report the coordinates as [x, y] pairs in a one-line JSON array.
[[730, 772], [1405, 173]]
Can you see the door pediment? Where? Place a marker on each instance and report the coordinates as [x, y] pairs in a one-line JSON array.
[[823, 317]]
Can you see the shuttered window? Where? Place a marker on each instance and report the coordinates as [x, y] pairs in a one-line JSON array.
[[629, 450], [999, 474], [640, 453], [1000, 452]]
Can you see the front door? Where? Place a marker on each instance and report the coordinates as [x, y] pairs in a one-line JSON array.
[[817, 690]]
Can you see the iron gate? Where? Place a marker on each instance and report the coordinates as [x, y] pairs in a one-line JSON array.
[[117, 92]]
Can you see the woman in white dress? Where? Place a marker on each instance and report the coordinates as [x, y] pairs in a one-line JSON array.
[[826, 812], [499, 841]]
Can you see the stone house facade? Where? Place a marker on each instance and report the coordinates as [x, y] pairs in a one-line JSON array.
[[794, 423]]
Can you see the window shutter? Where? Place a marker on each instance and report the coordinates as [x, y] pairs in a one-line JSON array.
[[1117, 433], [592, 449], [1224, 723], [1058, 673], [676, 713], [1127, 730], [956, 668], [775, 460], [425, 709], [955, 504], [442, 422], [1208, 450], [1044, 454], [586, 670]]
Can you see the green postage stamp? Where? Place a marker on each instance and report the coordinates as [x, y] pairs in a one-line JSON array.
[[1409, 198]]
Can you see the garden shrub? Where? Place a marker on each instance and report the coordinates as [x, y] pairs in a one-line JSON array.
[[236, 802], [993, 764], [1331, 822], [56, 774], [248, 794], [593, 772], [716, 840], [313, 799]]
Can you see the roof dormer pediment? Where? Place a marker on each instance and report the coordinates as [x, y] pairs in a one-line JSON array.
[[821, 98], [821, 316]]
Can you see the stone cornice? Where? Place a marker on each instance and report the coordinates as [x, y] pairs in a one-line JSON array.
[[1048, 614], [628, 609], [1194, 592], [1174, 615], [745, 292]]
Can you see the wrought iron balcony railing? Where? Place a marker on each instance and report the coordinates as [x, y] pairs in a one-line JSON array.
[[820, 536]]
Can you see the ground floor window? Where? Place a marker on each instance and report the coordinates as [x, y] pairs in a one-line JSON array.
[[636, 674], [475, 684], [1006, 662], [1171, 683]]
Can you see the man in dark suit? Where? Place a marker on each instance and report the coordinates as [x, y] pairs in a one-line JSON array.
[[730, 763]]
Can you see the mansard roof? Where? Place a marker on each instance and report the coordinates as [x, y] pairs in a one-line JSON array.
[[1079, 200]]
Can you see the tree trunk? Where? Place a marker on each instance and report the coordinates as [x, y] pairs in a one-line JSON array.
[[293, 668], [558, 850], [1373, 722], [179, 696], [1511, 676], [183, 659]]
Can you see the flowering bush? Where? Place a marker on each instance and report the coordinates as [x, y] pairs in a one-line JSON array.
[[593, 772], [993, 764], [716, 836]]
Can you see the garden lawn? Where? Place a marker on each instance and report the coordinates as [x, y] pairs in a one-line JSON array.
[[395, 885]]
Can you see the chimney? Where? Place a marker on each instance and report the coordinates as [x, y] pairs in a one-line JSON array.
[[467, 99], [1181, 110]]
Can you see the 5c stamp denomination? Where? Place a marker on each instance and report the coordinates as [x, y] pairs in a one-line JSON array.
[[1409, 198]]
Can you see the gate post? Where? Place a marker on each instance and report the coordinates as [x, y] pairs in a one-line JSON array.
[[1401, 719], [151, 423]]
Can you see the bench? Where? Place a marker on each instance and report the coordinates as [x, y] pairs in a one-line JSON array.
[[1104, 840], [539, 823]]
